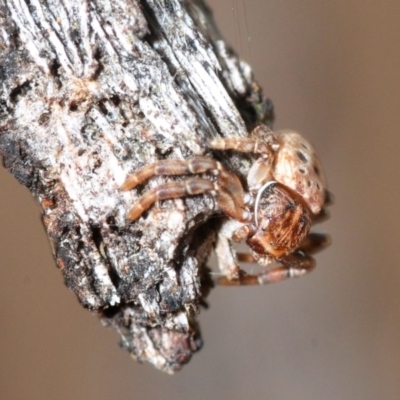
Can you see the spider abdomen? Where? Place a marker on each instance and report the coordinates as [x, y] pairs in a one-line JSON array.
[[296, 165]]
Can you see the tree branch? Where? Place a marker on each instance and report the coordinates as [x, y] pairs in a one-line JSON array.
[[92, 91]]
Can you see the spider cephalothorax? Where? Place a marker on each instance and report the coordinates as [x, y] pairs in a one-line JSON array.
[[285, 194], [281, 219]]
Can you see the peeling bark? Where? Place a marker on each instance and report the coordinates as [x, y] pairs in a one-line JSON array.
[[92, 91]]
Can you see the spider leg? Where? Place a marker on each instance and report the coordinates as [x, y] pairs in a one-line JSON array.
[[292, 266], [329, 198], [261, 141], [314, 242], [228, 190], [195, 165], [190, 187], [246, 258], [244, 145], [170, 190], [322, 216]]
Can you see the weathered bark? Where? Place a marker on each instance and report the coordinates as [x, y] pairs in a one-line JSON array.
[[92, 91]]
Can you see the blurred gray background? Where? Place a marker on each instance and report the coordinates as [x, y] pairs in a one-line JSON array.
[[333, 72]]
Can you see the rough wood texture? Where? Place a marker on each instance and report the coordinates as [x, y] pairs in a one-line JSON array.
[[92, 91]]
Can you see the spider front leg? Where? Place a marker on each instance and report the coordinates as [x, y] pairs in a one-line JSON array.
[[227, 189]]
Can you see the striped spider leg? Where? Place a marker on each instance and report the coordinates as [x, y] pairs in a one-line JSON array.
[[227, 189]]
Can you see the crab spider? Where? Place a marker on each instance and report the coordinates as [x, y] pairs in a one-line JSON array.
[[284, 196]]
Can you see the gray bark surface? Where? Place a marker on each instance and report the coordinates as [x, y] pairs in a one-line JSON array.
[[89, 93]]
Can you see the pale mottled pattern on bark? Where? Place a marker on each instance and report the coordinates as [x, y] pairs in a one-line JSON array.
[[91, 91]]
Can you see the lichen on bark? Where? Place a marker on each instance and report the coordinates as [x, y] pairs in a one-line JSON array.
[[92, 91]]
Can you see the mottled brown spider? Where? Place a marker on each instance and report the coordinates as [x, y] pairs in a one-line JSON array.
[[285, 195]]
